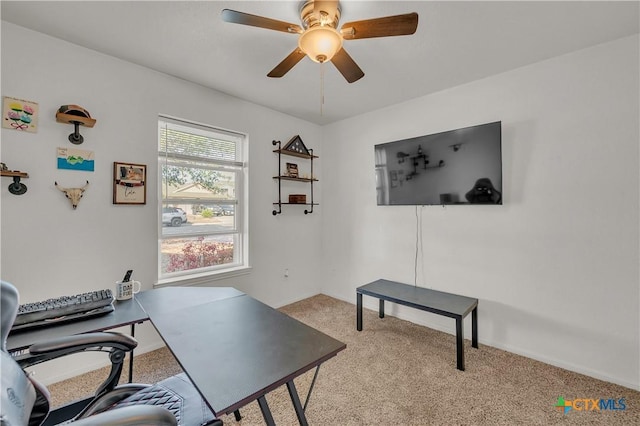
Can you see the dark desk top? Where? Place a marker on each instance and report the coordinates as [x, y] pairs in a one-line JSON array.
[[167, 299], [237, 349], [126, 312], [420, 297], [233, 347]]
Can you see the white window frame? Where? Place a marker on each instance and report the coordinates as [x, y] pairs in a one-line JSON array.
[[241, 234]]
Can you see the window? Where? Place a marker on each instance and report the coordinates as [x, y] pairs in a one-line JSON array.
[[202, 208]]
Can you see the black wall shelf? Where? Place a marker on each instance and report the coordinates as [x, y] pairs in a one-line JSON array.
[[280, 177]]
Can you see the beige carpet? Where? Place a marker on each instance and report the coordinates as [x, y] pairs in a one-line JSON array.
[[398, 373]]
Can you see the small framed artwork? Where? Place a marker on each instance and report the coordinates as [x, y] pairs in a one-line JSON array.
[[292, 170], [129, 183], [75, 159], [394, 178], [20, 115]]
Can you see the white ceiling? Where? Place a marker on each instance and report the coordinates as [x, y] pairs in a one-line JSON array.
[[456, 42]]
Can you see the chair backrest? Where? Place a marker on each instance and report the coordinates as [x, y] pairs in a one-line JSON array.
[[8, 310], [18, 394], [22, 400]]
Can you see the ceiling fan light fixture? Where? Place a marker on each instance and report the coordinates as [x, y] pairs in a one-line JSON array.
[[320, 43]]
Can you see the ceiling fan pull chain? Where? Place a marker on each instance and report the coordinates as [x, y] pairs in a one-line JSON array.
[[321, 88]]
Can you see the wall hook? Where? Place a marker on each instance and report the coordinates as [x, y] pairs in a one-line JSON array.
[[78, 116]]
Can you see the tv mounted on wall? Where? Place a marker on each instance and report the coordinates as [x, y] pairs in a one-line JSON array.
[[462, 166]]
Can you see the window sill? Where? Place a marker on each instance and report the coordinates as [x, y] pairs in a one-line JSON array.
[[203, 278]]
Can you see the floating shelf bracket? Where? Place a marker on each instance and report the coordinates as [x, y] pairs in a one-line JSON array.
[[78, 116], [16, 188]]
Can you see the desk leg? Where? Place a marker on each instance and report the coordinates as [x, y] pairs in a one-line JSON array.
[[460, 342], [359, 312], [266, 412], [302, 419], [133, 333], [313, 382], [381, 309], [474, 327]]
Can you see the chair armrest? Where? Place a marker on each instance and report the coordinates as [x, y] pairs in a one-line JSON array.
[[116, 344], [133, 415], [106, 400], [86, 340], [67, 345]]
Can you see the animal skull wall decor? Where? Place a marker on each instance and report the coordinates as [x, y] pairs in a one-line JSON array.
[[73, 194]]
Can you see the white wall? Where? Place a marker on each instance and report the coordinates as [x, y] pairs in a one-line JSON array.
[[49, 250], [556, 267]]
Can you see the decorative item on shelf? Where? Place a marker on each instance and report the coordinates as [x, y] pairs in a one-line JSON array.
[[73, 194], [292, 170], [401, 156], [18, 114], [16, 188], [296, 145], [437, 166], [297, 199], [129, 183], [78, 116]]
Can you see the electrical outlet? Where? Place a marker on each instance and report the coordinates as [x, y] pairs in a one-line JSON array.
[[286, 272]]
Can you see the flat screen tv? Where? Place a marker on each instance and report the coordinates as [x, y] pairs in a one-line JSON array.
[[462, 166]]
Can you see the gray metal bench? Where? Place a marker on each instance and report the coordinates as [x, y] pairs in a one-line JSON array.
[[437, 302]]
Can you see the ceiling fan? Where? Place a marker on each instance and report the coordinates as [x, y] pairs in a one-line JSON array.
[[319, 38]]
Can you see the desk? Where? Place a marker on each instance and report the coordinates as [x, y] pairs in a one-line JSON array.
[[437, 302], [199, 325], [126, 312], [269, 348]]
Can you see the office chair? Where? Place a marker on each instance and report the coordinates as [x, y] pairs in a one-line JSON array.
[[483, 192], [24, 401]]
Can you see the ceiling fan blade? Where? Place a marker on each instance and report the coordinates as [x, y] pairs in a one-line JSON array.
[[236, 17], [289, 62], [347, 66], [381, 27]]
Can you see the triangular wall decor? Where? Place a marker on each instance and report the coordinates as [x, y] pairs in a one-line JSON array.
[[296, 145]]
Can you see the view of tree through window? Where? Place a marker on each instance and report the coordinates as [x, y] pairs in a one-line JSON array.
[[201, 205]]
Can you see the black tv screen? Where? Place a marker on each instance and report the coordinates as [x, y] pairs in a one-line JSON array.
[[462, 166]]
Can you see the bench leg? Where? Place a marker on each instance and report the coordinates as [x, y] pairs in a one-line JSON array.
[[359, 311], [460, 343], [381, 309], [474, 327]]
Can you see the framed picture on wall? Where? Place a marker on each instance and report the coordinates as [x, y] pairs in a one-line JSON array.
[[76, 159], [129, 183], [292, 170], [18, 114]]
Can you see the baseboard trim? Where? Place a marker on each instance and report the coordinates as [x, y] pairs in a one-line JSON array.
[[412, 315]]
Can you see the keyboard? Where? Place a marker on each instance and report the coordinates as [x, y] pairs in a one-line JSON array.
[[63, 309]]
